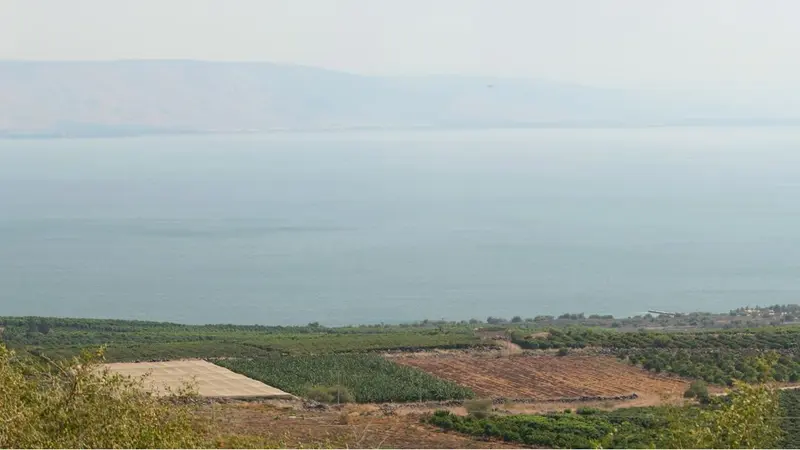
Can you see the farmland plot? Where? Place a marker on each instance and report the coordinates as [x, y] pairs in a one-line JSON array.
[[544, 378], [370, 378], [211, 380]]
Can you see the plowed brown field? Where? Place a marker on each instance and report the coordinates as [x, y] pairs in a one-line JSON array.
[[543, 378]]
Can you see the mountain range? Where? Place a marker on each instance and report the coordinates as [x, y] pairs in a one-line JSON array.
[[94, 98]]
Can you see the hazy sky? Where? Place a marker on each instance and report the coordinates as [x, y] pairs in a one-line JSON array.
[[666, 43]]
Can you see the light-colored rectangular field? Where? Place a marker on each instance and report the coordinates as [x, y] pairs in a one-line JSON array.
[[210, 379]]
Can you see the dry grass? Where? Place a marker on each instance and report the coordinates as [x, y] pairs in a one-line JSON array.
[[363, 427]]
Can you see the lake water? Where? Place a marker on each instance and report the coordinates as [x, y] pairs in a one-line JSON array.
[[367, 227]]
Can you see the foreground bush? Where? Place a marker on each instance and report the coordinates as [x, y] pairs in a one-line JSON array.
[[559, 430], [76, 404], [749, 417]]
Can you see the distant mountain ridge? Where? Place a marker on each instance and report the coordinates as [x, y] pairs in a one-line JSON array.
[[181, 96]]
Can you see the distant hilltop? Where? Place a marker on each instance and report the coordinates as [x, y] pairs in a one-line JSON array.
[[107, 98]]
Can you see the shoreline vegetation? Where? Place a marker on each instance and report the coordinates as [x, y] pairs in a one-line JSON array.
[[748, 353], [716, 348], [747, 316]]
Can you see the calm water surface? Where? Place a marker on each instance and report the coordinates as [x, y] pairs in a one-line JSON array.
[[389, 226]]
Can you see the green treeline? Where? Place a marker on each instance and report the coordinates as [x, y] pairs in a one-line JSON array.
[[719, 357], [132, 340]]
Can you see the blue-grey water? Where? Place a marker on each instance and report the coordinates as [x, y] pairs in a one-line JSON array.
[[367, 227]]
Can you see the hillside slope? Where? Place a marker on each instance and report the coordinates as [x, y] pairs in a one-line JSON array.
[[192, 96]]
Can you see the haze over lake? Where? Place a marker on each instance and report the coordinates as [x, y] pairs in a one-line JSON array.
[[367, 227]]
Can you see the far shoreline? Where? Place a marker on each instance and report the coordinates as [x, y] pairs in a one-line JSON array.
[[769, 313], [47, 135]]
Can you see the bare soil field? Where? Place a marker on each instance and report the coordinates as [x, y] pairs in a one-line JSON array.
[[544, 378], [352, 426], [210, 380]]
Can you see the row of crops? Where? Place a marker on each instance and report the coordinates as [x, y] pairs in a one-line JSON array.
[[369, 378], [763, 338], [790, 401], [719, 357], [719, 366], [132, 340], [624, 428]]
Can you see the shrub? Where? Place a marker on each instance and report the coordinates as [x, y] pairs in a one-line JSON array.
[[698, 389], [77, 404], [329, 394], [748, 417], [562, 352], [480, 409], [587, 411]]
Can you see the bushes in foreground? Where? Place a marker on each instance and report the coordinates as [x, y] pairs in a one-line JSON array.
[[750, 416], [559, 430], [74, 404]]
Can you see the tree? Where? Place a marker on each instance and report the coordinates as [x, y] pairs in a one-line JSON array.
[[43, 327], [330, 394], [77, 404], [699, 390], [516, 319], [479, 408], [748, 417]]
